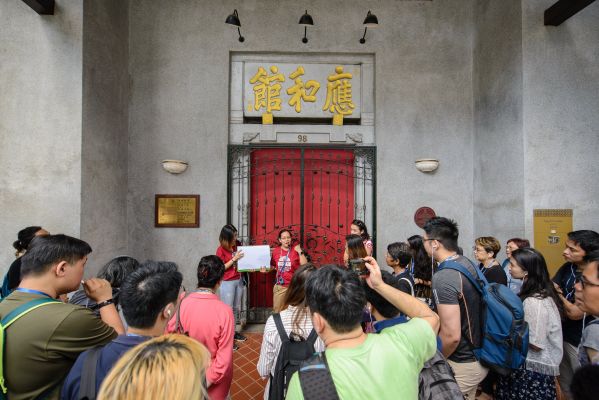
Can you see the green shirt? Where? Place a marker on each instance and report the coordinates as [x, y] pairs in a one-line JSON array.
[[42, 345], [385, 366]]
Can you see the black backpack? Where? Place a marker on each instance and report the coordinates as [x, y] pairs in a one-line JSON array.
[[436, 380], [291, 355]]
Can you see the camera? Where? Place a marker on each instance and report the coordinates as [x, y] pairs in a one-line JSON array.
[[358, 266]]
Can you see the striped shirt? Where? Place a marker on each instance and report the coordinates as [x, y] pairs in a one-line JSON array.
[[271, 342]]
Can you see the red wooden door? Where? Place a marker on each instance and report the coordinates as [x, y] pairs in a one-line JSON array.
[[310, 192]]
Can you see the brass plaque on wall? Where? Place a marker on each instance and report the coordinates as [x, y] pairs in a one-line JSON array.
[[551, 227], [177, 211]]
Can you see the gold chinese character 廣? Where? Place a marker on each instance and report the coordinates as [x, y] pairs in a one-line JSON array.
[[267, 92], [298, 92], [339, 95]]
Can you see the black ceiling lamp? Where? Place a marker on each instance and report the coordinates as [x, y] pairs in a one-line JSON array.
[[370, 21], [306, 20], [233, 19]]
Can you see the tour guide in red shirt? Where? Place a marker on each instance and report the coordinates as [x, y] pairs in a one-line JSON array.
[[285, 260]]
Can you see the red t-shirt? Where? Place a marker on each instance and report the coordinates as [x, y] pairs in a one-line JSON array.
[[285, 262], [231, 274]]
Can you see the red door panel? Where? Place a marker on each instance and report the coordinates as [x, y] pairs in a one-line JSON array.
[[275, 195]]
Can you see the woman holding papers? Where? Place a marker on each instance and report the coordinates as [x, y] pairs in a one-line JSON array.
[[231, 288], [285, 261]]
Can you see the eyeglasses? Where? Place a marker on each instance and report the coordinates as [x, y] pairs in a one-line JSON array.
[[584, 282]]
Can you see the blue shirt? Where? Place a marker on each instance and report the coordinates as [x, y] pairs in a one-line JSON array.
[[109, 355], [514, 284], [386, 323]]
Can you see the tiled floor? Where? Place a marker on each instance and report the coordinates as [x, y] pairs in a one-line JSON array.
[[246, 381]]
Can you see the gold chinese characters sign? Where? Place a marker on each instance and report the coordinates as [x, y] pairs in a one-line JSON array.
[[177, 211], [308, 91], [551, 227]]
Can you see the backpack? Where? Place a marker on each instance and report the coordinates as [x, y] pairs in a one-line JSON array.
[[6, 322], [87, 386], [316, 380], [4, 290], [504, 332], [290, 357], [437, 381]]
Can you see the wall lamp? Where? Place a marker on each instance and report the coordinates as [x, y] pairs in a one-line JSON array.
[[306, 20], [371, 21], [233, 19]]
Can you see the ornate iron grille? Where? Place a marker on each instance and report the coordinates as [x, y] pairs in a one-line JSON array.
[[313, 191]]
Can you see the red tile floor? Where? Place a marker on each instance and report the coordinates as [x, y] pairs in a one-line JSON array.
[[246, 381]]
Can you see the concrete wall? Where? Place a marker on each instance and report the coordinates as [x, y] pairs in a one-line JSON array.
[[498, 139], [179, 57], [105, 130], [482, 86], [40, 120], [424, 110], [560, 113]]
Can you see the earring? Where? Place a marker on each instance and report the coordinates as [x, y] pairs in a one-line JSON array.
[[169, 312]]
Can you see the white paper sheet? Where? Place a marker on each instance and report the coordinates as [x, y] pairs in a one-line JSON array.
[[254, 258]]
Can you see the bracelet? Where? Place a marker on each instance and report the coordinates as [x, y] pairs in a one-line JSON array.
[[104, 303]]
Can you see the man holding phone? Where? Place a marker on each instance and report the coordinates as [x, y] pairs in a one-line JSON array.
[[361, 365]]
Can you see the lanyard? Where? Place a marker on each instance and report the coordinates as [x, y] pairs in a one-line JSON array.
[[279, 279], [485, 269], [33, 291], [571, 278]]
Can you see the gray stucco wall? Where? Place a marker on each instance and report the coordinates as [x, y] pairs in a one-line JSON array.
[[498, 141], [560, 113], [40, 120], [179, 57], [105, 130], [482, 86], [424, 110]]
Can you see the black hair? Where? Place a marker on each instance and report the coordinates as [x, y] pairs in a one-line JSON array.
[[400, 251], [337, 295], [210, 271], [283, 231], [585, 383], [363, 229], [147, 290], [24, 238], [422, 261], [593, 256], [116, 270], [537, 282], [377, 301], [227, 235], [444, 230], [44, 251], [587, 240]]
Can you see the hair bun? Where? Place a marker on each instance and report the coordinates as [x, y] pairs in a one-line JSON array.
[[18, 245]]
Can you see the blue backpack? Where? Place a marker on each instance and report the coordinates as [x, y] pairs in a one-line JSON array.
[[4, 290], [505, 332]]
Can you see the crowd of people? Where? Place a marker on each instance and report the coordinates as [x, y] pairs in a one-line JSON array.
[[412, 328]]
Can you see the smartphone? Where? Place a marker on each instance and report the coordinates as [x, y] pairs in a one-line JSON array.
[[358, 266]]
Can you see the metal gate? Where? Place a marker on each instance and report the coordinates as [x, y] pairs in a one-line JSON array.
[[314, 191]]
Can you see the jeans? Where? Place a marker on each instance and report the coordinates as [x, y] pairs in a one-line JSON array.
[[231, 293]]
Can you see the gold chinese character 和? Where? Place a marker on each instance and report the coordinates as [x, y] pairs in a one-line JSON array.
[[299, 91]]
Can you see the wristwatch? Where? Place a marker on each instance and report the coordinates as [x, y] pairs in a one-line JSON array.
[[104, 303]]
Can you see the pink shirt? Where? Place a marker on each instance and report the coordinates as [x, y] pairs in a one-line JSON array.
[[210, 321]]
